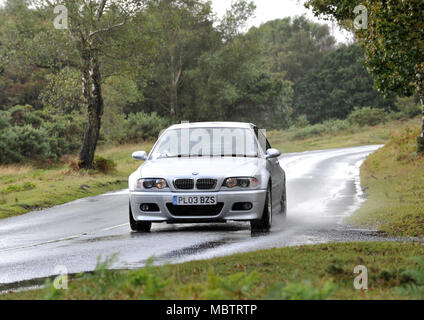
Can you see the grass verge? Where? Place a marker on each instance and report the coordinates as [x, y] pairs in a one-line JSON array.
[[330, 136], [26, 188], [306, 272], [393, 179]]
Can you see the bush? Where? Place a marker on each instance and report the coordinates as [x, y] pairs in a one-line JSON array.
[[20, 143], [26, 134], [328, 127], [104, 165], [4, 120], [301, 121], [25, 115], [335, 125], [367, 117], [309, 131], [143, 126], [408, 108], [65, 134]]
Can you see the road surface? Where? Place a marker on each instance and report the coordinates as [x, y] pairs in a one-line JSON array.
[[323, 188]]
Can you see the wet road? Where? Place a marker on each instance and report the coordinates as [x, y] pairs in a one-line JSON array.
[[323, 188]]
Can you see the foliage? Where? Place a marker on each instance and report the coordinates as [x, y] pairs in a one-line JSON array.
[[415, 289], [31, 135], [408, 107], [392, 41], [301, 121], [234, 285], [338, 85], [144, 127], [304, 290], [148, 279], [63, 93], [293, 46], [367, 116], [104, 165], [327, 127]]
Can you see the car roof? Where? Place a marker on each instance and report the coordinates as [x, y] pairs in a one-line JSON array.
[[189, 125]]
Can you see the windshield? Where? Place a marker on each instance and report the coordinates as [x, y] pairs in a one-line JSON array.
[[206, 142]]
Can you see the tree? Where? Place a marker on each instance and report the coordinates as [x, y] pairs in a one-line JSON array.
[[186, 31], [293, 46], [393, 42], [18, 86], [92, 35], [337, 86]]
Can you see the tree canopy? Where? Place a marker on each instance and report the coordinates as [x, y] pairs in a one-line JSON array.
[[393, 41], [337, 86]]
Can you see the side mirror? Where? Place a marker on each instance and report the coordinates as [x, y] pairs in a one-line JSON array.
[[140, 155], [272, 153]]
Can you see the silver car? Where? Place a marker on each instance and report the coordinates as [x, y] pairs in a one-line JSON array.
[[208, 173]]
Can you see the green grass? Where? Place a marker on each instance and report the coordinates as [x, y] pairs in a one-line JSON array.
[[306, 272], [330, 138], [393, 179], [27, 188]]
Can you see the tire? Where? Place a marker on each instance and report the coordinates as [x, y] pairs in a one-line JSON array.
[[284, 203], [264, 224], [142, 227]]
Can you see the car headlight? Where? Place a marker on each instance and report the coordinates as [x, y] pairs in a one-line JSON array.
[[243, 183], [149, 184]]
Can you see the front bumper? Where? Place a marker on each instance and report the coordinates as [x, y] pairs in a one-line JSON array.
[[227, 198]]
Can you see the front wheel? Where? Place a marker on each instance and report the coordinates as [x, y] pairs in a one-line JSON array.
[[284, 203], [139, 226], [264, 224]]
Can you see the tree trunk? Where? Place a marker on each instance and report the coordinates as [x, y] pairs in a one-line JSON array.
[[92, 93], [176, 75], [420, 147]]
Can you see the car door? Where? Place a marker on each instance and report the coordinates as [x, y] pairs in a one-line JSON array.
[[277, 173]]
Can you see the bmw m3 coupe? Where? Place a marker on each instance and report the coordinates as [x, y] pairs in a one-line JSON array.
[[208, 173]]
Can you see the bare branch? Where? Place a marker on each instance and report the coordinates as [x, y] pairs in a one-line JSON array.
[[108, 28], [101, 9]]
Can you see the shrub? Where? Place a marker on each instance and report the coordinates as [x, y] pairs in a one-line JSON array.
[[143, 126], [408, 108], [335, 125], [327, 127], [367, 117], [25, 115], [26, 134], [4, 120], [19, 143], [104, 165], [310, 131], [301, 121], [65, 134]]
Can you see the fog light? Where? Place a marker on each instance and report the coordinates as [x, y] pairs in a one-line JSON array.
[[242, 206], [145, 207], [247, 206]]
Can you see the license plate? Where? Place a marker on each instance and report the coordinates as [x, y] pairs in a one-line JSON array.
[[195, 200]]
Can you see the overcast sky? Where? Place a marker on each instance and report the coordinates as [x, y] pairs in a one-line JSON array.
[[274, 9]]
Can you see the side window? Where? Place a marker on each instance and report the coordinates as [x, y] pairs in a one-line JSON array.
[[263, 141], [268, 145]]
